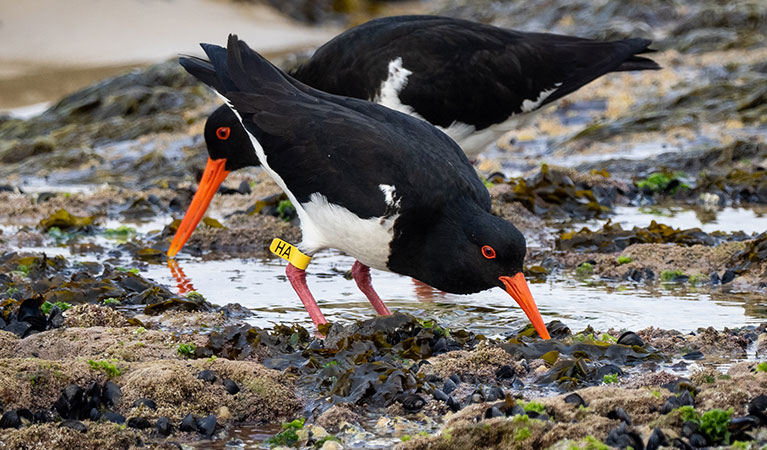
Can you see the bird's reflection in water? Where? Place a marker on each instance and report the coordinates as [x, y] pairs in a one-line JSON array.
[[183, 282], [425, 293]]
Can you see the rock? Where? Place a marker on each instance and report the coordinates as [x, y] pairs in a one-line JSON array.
[[493, 412], [440, 395], [689, 428], [686, 399], [231, 387], [145, 402], [693, 355], [188, 424], [619, 414], [55, 318], [163, 426], [244, 188], [656, 440], [630, 338], [576, 399], [505, 372], [412, 402], [697, 440], [111, 394], [449, 386], [671, 404], [623, 437], [728, 276], [42, 417], [94, 415], [114, 417], [455, 379], [30, 312], [207, 375], [75, 425], [10, 420], [453, 404], [207, 425], [140, 423]]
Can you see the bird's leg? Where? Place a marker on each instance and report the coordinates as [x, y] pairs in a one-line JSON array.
[[297, 279], [361, 274]]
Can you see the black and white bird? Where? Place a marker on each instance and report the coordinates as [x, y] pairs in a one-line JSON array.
[[470, 80], [389, 190]]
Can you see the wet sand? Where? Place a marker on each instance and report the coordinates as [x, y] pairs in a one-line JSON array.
[[51, 47]]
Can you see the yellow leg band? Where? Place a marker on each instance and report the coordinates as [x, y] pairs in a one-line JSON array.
[[290, 253]]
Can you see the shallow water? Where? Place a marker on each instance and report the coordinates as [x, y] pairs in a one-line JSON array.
[[262, 286], [730, 219]]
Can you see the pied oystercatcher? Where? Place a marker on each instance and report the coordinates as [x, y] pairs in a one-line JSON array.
[[388, 189]]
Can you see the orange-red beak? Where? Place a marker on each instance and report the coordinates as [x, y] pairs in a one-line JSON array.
[[517, 287], [214, 175]]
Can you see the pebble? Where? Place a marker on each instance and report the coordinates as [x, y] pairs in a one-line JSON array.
[[656, 440], [188, 423], [74, 424], [576, 400], [207, 375], [145, 402], [440, 395], [207, 425], [231, 387], [505, 372], [619, 414], [140, 423], [697, 440], [630, 338], [449, 386], [114, 417], [10, 420], [163, 426]]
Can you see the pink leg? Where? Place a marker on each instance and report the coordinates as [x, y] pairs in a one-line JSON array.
[[297, 279], [361, 274]]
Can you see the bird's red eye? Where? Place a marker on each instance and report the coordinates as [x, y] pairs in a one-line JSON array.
[[488, 252], [223, 133]]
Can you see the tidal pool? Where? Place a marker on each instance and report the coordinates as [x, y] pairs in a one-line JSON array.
[[261, 286], [730, 219]]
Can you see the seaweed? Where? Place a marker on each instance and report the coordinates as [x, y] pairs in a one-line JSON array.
[[64, 220], [613, 238], [553, 194]]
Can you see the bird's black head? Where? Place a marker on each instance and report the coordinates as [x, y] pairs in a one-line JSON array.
[[467, 250], [226, 139]]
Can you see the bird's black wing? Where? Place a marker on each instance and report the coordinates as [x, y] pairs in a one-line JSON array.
[[342, 148], [465, 71]]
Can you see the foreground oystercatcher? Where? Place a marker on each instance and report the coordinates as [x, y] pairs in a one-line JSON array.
[[388, 189]]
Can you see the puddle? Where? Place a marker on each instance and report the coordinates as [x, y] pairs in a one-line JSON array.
[[747, 220], [261, 285]]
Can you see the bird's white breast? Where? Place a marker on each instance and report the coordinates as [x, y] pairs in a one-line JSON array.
[[326, 225]]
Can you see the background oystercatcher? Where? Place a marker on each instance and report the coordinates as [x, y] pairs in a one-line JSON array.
[[466, 78], [390, 190]]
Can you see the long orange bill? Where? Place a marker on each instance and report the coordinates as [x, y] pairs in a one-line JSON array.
[[517, 287], [214, 175]]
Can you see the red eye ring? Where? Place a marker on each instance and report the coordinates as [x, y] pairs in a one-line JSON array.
[[223, 133], [488, 252]]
